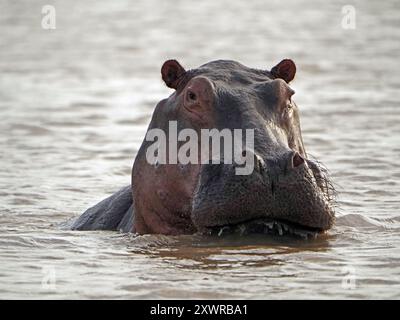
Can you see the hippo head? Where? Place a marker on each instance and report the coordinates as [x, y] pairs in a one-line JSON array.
[[284, 187]]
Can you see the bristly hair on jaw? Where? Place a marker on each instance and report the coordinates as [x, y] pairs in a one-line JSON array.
[[324, 182]]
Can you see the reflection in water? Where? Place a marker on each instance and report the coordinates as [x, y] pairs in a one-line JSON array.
[[228, 252], [75, 103]]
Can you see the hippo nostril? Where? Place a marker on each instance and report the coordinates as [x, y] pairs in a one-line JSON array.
[[257, 162], [297, 160]]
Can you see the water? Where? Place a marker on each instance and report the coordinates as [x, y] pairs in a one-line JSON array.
[[74, 106]]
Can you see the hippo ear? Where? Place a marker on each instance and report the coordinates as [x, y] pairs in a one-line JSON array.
[[286, 70], [171, 71]]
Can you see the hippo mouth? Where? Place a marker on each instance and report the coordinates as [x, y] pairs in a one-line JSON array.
[[267, 226], [274, 224]]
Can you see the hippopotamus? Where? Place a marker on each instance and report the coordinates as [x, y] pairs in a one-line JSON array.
[[286, 192]]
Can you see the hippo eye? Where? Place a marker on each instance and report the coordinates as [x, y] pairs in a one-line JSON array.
[[192, 95]]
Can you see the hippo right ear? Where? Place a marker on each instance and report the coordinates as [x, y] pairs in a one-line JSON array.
[[286, 70], [171, 71]]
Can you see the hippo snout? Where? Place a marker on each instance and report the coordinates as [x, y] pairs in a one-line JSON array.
[[283, 190]]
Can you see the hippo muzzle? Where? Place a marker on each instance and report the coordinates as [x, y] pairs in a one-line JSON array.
[[293, 198]]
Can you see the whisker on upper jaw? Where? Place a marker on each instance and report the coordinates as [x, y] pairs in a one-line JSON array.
[[322, 177]]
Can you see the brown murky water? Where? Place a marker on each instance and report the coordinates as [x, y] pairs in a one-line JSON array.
[[74, 106]]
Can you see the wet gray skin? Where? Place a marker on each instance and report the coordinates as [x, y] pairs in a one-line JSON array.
[[287, 193]]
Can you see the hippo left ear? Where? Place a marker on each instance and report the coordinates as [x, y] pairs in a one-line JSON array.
[[286, 70], [171, 71]]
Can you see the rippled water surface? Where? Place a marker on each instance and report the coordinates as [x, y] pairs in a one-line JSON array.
[[74, 106]]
